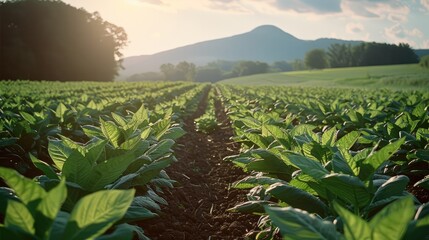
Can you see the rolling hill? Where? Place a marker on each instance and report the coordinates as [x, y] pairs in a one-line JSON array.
[[404, 76], [265, 43]]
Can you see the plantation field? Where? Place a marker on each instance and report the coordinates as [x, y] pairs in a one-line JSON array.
[[410, 76], [178, 160]]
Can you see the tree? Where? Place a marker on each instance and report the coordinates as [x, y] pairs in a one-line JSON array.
[[386, 54], [245, 68], [298, 65], [183, 71], [340, 55], [281, 66], [146, 76], [208, 74], [424, 62], [51, 40], [316, 59]]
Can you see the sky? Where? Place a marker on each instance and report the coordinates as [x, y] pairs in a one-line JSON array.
[[158, 25]]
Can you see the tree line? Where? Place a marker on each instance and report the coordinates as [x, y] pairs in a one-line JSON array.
[[337, 55], [364, 54], [51, 40], [211, 72]]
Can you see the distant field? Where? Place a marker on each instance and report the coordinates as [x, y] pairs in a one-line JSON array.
[[393, 76]]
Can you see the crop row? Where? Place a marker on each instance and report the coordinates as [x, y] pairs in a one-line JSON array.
[[97, 154], [332, 163]]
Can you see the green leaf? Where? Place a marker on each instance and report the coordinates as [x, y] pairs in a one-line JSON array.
[[4, 142], [49, 207], [424, 183], [392, 221], [395, 186], [253, 181], [26, 189], [420, 110], [297, 198], [59, 112], [59, 152], [59, 225], [95, 150], [108, 171], [329, 137], [144, 175], [44, 167], [138, 213], [77, 169], [160, 149], [28, 117], [111, 132], [297, 224], [18, 216], [173, 133], [257, 139], [269, 163], [348, 140], [92, 131], [139, 117], [374, 161], [8, 233], [308, 166], [355, 228], [250, 207], [161, 127], [419, 227], [281, 136], [423, 154], [52, 202], [119, 119], [97, 212], [124, 231], [302, 129], [347, 188], [340, 165], [146, 132]]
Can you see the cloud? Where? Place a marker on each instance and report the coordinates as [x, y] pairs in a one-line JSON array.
[[392, 10], [398, 34], [228, 5], [154, 2], [354, 28], [425, 4], [309, 6]]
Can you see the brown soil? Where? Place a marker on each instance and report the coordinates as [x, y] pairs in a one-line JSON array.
[[198, 207]]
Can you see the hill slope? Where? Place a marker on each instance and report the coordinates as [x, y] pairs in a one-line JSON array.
[[405, 76], [265, 43]]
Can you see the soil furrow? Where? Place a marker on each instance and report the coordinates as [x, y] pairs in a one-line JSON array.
[[197, 207]]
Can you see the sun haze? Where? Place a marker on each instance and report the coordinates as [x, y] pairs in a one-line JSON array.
[[156, 25]]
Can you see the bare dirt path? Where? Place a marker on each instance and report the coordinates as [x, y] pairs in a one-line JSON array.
[[197, 208]]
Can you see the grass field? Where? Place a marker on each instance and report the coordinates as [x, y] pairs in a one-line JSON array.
[[409, 76]]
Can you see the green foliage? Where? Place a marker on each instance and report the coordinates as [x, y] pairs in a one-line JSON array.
[[100, 145], [309, 150], [183, 71], [245, 68], [370, 54], [207, 122], [51, 40], [37, 213], [316, 59], [424, 62], [391, 223]]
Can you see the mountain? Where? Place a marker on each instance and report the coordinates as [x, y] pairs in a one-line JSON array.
[[421, 52], [265, 43]]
